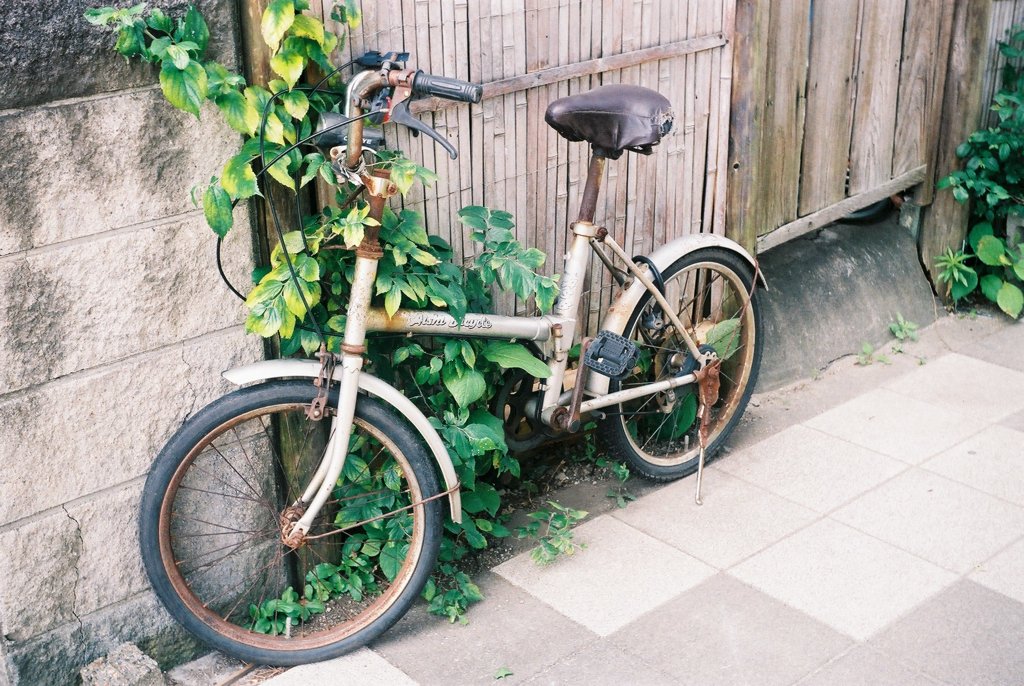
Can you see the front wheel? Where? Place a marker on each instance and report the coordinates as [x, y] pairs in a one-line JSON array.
[[656, 435], [224, 488]]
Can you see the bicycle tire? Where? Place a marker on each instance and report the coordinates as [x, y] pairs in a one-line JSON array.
[[219, 477], [671, 450]]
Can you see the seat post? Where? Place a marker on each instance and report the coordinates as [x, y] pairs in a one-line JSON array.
[[588, 205]]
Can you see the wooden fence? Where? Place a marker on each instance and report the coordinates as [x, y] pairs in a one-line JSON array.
[[836, 105], [531, 52]]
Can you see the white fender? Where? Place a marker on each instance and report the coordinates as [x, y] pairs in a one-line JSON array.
[[285, 369], [617, 316]]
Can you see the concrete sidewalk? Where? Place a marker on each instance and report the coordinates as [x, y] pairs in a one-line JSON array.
[[865, 527]]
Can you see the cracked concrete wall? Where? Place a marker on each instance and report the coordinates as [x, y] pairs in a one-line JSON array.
[[113, 328]]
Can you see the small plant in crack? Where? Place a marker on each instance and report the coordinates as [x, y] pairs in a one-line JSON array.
[[553, 530]]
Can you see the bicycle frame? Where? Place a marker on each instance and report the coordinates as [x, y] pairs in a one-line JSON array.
[[554, 333]]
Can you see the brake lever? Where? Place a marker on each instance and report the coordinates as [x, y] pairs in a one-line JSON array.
[[400, 114]]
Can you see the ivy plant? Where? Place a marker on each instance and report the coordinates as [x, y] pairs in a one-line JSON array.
[[304, 288], [992, 181]]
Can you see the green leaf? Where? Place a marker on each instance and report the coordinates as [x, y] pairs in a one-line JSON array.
[[130, 41], [308, 27], [217, 209], [1018, 268], [289, 65], [960, 290], [158, 21], [990, 249], [1010, 300], [277, 19], [295, 103], [990, 285], [184, 88], [193, 28], [179, 56], [391, 558], [502, 673], [483, 498], [724, 337], [238, 179], [238, 112], [512, 355], [466, 385], [978, 232], [279, 171]]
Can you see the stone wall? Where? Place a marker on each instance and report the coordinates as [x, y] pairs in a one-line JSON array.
[[113, 327]]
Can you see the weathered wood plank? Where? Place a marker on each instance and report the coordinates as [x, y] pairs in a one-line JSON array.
[[944, 222], [818, 219], [785, 83], [874, 114], [745, 214], [829, 119]]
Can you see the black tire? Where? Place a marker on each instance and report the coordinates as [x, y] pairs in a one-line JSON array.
[[210, 526], [655, 435]]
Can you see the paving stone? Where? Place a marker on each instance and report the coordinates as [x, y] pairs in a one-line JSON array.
[[811, 468], [966, 635], [967, 386], [213, 668], [862, 665], [1002, 347], [1004, 572], [126, 665], [944, 522], [621, 574], [991, 461], [509, 628], [602, 664], [122, 417], [361, 667], [120, 294], [735, 521], [854, 583], [895, 425], [725, 632], [1014, 421]]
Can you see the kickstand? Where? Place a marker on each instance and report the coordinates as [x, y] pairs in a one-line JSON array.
[[708, 384]]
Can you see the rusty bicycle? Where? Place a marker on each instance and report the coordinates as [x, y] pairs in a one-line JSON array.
[[227, 526]]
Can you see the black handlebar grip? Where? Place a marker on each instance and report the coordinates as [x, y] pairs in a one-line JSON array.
[[449, 89]]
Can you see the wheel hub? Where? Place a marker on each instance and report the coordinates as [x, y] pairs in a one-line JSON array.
[[292, 536]]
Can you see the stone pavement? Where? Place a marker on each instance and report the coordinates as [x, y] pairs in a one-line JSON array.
[[865, 527]]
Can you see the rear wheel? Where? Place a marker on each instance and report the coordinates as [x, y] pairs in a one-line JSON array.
[[221, 492], [656, 435]]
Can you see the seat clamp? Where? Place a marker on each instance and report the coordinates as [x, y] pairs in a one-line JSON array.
[[583, 228]]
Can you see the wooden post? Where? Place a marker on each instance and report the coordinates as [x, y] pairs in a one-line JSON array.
[[744, 212], [944, 222]]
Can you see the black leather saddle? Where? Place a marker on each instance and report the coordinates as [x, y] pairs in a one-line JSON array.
[[613, 118]]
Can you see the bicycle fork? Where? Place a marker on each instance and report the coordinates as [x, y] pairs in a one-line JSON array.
[[352, 349]]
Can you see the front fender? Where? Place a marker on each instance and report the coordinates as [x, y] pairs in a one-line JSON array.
[[285, 369], [617, 316]]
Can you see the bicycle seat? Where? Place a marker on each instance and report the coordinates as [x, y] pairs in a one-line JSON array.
[[613, 118]]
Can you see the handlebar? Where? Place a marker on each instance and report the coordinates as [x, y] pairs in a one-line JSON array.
[[449, 89]]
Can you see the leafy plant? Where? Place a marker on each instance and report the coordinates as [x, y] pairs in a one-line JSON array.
[[902, 329], [553, 531], [304, 289], [620, 471], [992, 180], [868, 355]]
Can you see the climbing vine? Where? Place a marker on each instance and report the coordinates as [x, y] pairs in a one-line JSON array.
[[305, 291]]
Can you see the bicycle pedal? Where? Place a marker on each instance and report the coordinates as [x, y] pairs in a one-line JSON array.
[[611, 355]]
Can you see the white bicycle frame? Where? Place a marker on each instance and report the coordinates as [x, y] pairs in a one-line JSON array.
[[553, 334]]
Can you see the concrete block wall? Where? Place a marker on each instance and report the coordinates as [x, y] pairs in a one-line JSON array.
[[114, 326]]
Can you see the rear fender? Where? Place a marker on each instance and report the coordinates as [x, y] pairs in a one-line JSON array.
[[310, 369], [618, 314]]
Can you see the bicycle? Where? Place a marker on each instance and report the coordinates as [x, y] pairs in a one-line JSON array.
[[227, 523]]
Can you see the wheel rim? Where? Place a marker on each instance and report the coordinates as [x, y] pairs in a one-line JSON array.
[[712, 303], [220, 532]]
